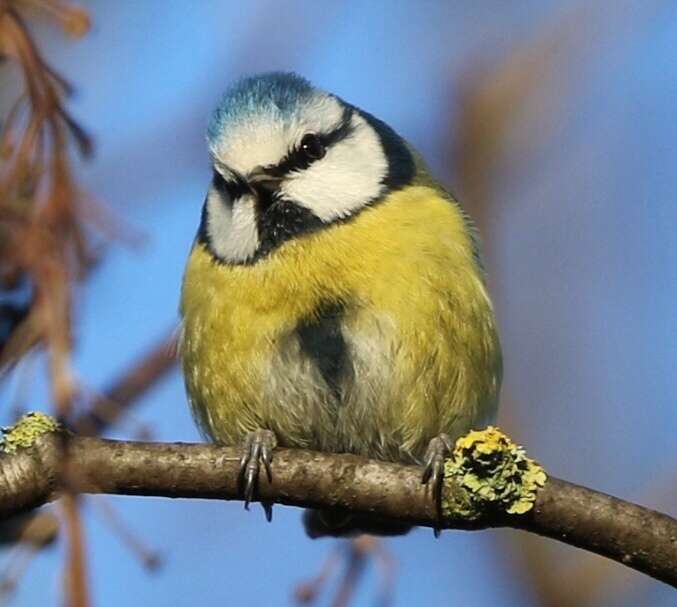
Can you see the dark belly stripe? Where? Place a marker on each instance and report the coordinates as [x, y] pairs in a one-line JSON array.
[[322, 340]]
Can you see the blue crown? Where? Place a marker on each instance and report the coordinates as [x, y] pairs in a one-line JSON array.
[[276, 93]]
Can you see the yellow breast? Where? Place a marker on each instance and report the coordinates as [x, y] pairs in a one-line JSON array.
[[418, 323]]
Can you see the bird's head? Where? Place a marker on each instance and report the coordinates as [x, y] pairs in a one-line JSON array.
[[288, 159]]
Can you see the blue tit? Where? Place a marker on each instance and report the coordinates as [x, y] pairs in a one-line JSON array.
[[334, 297]]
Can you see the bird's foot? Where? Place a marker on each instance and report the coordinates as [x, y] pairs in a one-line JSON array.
[[438, 450], [258, 447]]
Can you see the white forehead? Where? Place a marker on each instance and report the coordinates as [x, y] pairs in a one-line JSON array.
[[263, 139]]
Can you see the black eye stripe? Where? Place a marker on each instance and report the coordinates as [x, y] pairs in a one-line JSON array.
[[297, 159], [230, 189]]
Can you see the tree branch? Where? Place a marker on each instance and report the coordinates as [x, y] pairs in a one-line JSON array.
[[29, 477]]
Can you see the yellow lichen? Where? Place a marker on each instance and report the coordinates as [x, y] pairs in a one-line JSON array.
[[26, 431], [493, 472]]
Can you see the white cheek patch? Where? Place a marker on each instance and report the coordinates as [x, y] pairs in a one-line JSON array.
[[348, 177], [232, 231]]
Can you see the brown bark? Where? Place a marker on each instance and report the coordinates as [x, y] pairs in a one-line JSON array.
[[635, 536]]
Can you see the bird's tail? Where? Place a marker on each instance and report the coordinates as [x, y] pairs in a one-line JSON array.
[[340, 523]]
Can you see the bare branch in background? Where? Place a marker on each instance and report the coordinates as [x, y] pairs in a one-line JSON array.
[[103, 411], [635, 536], [513, 107], [355, 554], [45, 245], [358, 549], [34, 529], [148, 558], [28, 533], [132, 384], [306, 593]]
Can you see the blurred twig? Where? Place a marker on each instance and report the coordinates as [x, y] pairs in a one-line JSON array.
[[509, 109], [356, 552], [306, 593], [76, 572], [44, 242], [358, 549], [512, 109], [124, 391], [102, 412], [37, 529], [27, 534], [150, 560]]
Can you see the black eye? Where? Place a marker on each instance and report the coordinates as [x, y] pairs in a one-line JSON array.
[[312, 147]]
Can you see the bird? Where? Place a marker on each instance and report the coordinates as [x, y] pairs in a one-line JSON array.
[[334, 298]]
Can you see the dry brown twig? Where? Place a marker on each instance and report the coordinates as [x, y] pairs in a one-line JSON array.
[[44, 242]]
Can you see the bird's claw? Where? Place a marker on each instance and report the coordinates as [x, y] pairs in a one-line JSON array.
[[258, 447], [438, 450]]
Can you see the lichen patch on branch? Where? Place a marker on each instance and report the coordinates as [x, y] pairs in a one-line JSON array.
[[494, 473], [26, 431]]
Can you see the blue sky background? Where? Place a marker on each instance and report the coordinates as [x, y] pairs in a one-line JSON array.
[[582, 258]]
